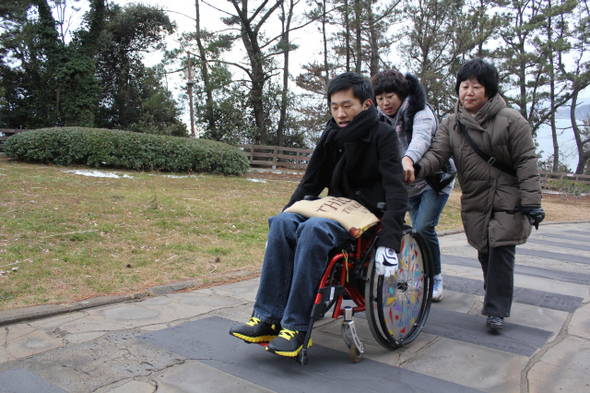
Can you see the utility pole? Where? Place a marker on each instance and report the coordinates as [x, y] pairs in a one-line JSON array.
[[190, 82]]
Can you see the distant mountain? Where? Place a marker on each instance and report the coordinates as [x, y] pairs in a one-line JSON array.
[[582, 112]]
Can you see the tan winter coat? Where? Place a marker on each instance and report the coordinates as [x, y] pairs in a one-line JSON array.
[[491, 198]]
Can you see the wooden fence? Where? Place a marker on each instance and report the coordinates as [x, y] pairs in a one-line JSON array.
[[7, 133], [276, 157], [553, 180]]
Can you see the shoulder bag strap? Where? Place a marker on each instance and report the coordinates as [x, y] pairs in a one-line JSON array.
[[490, 160]]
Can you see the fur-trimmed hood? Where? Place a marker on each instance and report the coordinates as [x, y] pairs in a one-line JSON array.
[[416, 100]]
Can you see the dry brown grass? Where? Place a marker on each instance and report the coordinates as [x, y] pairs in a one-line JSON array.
[[74, 237]]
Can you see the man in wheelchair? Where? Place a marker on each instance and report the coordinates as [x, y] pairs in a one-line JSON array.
[[357, 157]]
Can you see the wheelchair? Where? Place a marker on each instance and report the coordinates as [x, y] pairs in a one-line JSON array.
[[396, 307]]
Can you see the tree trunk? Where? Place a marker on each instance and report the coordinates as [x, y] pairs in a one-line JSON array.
[[284, 94], [204, 71], [374, 60], [358, 8], [325, 38], [583, 155], [347, 34]]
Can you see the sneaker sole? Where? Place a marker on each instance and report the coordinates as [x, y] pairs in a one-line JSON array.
[[437, 299], [254, 340], [291, 354]]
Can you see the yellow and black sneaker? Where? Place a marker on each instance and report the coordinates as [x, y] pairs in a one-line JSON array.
[[288, 343], [255, 331]]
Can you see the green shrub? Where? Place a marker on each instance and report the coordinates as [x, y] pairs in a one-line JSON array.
[[122, 149]]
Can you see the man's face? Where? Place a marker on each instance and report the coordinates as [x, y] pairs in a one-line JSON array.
[[345, 106]]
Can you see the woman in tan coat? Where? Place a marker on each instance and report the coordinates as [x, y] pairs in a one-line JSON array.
[[499, 204]]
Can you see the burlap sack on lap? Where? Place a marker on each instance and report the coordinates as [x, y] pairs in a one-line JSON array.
[[353, 216]]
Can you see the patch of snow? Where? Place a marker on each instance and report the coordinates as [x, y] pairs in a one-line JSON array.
[[89, 173], [257, 180], [176, 176]]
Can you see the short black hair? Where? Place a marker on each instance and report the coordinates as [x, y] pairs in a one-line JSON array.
[[485, 73], [361, 87], [390, 81]]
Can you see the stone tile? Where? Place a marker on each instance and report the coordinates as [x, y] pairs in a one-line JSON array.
[[190, 304], [21, 340], [186, 377], [129, 387], [98, 363], [83, 337], [573, 353], [118, 317], [545, 377], [472, 366], [456, 301], [538, 317], [245, 290], [580, 323]]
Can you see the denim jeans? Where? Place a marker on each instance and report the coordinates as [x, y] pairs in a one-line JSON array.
[[425, 209], [498, 280], [295, 260]]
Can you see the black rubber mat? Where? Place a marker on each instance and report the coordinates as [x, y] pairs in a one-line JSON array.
[[583, 233], [21, 380], [553, 274], [566, 237], [533, 297], [207, 340], [554, 255], [522, 340], [556, 244]]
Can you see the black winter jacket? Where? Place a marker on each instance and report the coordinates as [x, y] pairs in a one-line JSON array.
[[374, 173]]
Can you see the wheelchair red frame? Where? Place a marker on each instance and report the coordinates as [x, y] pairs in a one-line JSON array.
[[350, 273]]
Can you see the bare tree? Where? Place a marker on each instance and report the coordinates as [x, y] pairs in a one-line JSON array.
[[286, 46], [251, 23]]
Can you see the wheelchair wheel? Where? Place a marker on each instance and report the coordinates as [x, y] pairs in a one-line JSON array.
[[398, 306]]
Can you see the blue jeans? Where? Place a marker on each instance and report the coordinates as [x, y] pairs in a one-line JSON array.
[[295, 260], [425, 209]]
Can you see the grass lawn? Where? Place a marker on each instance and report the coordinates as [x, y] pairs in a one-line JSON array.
[[65, 237]]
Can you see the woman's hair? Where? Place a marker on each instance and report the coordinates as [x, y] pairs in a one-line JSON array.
[[390, 81], [361, 88], [485, 73]]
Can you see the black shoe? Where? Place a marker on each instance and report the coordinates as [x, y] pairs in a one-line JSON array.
[[288, 343], [255, 331], [495, 323]]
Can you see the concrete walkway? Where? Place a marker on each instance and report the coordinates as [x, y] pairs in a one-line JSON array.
[[179, 342]]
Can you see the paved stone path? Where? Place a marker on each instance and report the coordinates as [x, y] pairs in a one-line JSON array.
[[179, 342]]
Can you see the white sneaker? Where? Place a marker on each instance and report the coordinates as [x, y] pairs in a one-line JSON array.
[[437, 293]]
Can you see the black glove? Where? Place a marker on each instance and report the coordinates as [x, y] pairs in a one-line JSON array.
[[536, 214], [417, 169]]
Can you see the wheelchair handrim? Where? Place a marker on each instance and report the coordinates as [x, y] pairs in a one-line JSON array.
[[403, 303]]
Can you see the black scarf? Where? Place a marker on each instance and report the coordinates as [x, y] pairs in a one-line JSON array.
[[336, 139]]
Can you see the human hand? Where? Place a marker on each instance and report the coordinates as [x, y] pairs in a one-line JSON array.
[[535, 214], [386, 262], [409, 174]]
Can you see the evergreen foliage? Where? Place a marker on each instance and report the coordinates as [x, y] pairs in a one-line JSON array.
[[123, 149]]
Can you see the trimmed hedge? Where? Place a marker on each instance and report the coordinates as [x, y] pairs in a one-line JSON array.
[[123, 149]]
